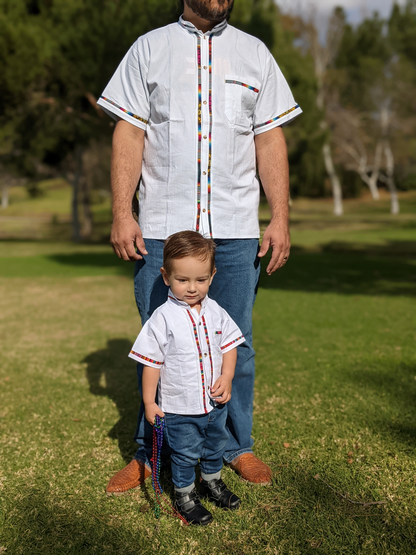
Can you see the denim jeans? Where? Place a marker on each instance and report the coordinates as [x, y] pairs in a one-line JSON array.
[[234, 287], [196, 437]]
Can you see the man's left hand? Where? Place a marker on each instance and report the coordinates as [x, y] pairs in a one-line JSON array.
[[277, 238]]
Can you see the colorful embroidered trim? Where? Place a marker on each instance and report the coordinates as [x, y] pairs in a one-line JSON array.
[[146, 358], [124, 110], [231, 342], [198, 191], [209, 349], [232, 82], [218, 332], [201, 362], [210, 135], [276, 118]]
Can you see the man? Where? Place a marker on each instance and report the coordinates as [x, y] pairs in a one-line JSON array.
[[197, 102]]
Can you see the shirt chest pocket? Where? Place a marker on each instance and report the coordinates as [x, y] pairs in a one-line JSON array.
[[240, 100]]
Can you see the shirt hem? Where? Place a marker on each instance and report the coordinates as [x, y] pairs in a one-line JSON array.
[[116, 114], [279, 122], [233, 345], [156, 365]]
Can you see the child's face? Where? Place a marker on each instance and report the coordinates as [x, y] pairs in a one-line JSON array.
[[190, 279]]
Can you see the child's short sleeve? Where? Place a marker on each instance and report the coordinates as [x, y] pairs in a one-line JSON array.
[[149, 347], [126, 96], [231, 335], [275, 105]]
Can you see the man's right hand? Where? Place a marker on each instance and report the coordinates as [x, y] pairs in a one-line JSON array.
[[125, 236]]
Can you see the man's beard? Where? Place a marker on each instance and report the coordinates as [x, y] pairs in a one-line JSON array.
[[203, 9]]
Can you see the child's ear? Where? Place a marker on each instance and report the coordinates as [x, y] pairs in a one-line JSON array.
[[164, 276], [214, 271]]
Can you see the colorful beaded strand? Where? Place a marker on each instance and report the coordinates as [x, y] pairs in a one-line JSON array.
[[158, 429]]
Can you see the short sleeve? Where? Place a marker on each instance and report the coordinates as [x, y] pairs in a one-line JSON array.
[[275, 105], [231, 335], [149, 347], [126, 96]]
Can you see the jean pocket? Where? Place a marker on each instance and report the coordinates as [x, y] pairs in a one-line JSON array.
[[240, 100]]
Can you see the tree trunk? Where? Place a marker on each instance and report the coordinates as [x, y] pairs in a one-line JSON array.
[[336, 186], [395, 208], [76, 236], [4, 196], [86, 208], [372, 184]]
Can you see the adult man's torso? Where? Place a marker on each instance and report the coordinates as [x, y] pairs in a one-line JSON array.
[[201, 99]]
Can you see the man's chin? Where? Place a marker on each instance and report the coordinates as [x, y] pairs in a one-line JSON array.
[[215, 16]]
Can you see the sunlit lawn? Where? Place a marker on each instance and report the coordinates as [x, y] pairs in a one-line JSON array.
[[335, 405]]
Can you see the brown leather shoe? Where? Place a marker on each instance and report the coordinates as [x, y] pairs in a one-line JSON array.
[[252, 469], [130, 477]]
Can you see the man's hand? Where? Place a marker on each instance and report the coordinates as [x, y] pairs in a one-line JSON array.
[[221, 390], [125, 236], [277, 238], [150, 412]]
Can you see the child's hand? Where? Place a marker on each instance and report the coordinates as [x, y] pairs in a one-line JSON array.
[[150, 412], [221, 390]]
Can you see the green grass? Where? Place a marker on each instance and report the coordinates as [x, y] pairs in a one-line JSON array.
[[335, 337]]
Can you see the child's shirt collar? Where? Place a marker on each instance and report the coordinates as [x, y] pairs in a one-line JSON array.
[[172, 298]]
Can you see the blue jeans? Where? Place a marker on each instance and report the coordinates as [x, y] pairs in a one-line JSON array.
[[195, 437], [234, 287]]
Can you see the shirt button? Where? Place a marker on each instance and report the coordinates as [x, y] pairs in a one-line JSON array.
[[205, 136], [203, 210], [205, 354], [205, 101], [204, 173], [205, 67]]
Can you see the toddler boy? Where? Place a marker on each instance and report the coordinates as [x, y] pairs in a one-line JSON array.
[[188, 348]]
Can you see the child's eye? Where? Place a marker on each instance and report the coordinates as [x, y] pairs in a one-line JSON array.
[[202, 280], [181, 280]]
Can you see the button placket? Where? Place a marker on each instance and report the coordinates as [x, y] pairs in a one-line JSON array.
[[205, 130]]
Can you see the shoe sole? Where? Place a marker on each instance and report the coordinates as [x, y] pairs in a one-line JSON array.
[[255, 483], [119, 493], [214, 502]]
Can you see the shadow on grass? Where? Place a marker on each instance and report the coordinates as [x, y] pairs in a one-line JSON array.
[[112, 367], [391, 393], [351, 272], [37, 521], [334, 524], [337, 268]]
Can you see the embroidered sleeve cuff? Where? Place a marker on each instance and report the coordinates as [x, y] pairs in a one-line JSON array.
[[116, 111], [147, 361], [232, 344], [278, 121]]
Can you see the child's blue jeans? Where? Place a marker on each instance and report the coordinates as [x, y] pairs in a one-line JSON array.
[[191, 438]]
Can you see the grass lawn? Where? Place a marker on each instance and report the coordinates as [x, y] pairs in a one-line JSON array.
[[335, 399]]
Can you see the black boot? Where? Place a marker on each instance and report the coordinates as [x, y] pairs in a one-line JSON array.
[[189, 506], [218, 493]]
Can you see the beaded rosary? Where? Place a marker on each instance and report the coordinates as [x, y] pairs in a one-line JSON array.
[[158, 429]]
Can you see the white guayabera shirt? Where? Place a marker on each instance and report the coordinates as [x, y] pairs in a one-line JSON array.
[[200, 98], [188, 348]]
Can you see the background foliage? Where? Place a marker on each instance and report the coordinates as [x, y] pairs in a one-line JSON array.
[[56, 56]]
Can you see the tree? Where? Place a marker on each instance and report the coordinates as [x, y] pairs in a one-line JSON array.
[[323, 55], [52, 77]]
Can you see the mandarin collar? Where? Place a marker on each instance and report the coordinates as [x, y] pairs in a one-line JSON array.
[[172, 298], [219, 28]]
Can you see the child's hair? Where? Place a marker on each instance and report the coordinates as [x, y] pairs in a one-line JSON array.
[[187, 243]]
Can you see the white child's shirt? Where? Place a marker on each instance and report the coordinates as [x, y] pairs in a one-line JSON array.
[[187, 347]]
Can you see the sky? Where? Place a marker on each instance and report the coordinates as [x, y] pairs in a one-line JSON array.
[[356, 10]]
